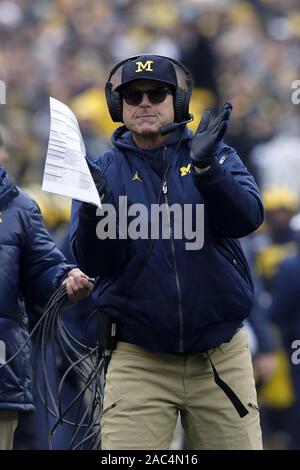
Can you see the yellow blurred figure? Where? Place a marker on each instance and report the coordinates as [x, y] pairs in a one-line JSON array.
[[280, 197], [91, 106], [55, 209], [278, 391]]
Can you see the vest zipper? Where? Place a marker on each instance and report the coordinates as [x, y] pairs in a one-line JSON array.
[[165, 193]]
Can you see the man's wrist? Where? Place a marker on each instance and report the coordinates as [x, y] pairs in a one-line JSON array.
[[88, 210], [200, 170], [203, 162]]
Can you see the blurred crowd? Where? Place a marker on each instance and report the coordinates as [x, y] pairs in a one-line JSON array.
[[244, 51]]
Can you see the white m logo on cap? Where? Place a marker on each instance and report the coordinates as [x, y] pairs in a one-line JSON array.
[[140, 66]]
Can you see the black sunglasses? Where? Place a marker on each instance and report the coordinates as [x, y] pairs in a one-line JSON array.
[[155, 95]]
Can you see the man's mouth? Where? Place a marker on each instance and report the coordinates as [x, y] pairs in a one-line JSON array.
[[146, 116]]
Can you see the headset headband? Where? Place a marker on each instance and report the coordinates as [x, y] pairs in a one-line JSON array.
[[176, 62]]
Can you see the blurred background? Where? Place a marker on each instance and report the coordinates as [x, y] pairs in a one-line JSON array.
[[244, 51]]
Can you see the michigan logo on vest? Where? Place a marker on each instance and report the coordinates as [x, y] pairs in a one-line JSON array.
[[147, 66], [184, 170]]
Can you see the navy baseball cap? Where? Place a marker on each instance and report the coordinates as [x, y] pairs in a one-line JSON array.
[[149, 67]]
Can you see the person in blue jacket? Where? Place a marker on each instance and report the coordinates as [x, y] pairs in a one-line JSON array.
[[284, 312], [178, 300], [31, 269]]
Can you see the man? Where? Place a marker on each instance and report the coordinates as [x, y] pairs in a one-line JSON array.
[[31, 269], [284, 311], [179, 308]]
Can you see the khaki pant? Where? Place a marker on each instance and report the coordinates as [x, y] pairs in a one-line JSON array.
[[8, 424], [144, 393]]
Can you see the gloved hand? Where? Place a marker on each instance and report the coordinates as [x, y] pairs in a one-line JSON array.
[[98, 178], [205, 141], [100, 183]]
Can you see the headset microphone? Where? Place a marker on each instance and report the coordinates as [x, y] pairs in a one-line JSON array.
[[168, 128]]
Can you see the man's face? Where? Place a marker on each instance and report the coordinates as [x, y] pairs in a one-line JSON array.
[[147, 117]]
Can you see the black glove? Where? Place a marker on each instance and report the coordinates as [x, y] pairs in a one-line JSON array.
[[100, 183], [205, 141], [98, 178]]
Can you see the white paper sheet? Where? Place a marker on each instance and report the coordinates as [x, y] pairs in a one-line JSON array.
[[66, 170]]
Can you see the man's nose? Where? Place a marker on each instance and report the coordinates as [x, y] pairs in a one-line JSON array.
[[145, 100]]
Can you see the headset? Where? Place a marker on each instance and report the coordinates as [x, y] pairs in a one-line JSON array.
[[181, 99]]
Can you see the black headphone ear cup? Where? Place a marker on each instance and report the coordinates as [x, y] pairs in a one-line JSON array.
[[117, 107], [181, 105], [114, 103]]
